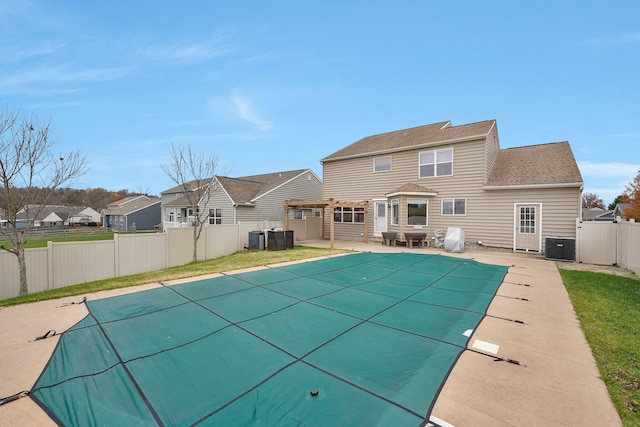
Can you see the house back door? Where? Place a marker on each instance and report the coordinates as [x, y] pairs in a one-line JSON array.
[[527, 227], [380, 217]]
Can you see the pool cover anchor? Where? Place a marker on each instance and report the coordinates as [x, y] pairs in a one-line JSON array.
[[498, 358], [84, 300], [49, 333], [13, 397]]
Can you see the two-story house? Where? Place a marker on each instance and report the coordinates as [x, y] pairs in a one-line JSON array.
[[438, 176], [244, 199]]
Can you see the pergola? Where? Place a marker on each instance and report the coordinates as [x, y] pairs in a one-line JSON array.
[[332, 204]]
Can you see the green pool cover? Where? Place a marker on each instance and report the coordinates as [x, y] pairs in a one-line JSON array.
[[362, 339]]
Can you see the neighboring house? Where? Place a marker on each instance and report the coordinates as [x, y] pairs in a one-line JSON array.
[[58, 216], [618, 211], [438, 176], [133, 213], [245, 199], [596, 214]]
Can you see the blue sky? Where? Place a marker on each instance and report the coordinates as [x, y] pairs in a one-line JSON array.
[[270, 86]]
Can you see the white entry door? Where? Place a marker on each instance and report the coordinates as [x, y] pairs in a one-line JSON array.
[[527, 227], [380, 217]]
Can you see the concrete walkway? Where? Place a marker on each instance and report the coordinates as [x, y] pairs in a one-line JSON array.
[[555, 383]]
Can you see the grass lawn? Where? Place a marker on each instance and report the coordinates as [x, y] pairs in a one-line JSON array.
[[608, 308], [235, 261]]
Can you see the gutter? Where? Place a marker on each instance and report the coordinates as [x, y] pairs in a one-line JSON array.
[[533, 186]]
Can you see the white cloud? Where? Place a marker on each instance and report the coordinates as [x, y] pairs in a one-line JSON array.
[[184, 54], [243, 108], [626, 171], [619, 39], [240, 106], [43, 77], [15, 55]]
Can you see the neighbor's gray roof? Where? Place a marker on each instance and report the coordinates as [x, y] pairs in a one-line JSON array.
[[63, 212], [412, 138], [129, 199], [191, 185], [542, 164], [132, 206], [245, 189]]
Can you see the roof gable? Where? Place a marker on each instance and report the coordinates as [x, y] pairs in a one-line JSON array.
[[416, 137]]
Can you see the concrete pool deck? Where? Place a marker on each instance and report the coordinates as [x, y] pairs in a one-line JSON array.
[[556, 380]]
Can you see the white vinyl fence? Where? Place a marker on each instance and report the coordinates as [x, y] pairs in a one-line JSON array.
[[609, 243], [70, 263]]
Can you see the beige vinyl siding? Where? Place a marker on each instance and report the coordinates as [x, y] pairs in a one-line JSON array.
[[491, 151], [353, 180], [270, 206]]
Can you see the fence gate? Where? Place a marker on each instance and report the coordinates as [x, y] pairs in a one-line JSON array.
[[596, 242]]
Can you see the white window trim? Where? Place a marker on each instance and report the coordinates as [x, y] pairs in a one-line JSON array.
[[426, 218], [384, 170], [453, 199], [516, 222], [396, 202], [215, 217], [435, 163], [353, 210]]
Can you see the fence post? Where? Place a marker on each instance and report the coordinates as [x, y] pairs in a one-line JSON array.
[[578, 239], [116, 251], [49, 265]]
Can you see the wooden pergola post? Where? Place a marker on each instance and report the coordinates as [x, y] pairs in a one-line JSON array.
[[332, 219]]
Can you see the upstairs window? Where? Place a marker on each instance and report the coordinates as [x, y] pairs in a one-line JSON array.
[[215, 216], [436, 163], [454, 206], [382, 164]]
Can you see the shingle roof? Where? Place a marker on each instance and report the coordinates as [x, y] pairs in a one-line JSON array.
[[247, 189], [178, 188], [412, 138], [63, 212], [411, 188], [124, 201], [132, 206], [541, 164]]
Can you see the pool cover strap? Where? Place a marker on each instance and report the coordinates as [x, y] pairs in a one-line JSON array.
[[361, 339]]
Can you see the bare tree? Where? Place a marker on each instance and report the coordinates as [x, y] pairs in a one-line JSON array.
[[30, 174], [592, 200], [194, 173]]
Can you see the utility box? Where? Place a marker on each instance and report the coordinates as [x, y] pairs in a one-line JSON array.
[[279, 240], [275, 240], [256, 240], [560, 248], [288, 239]]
